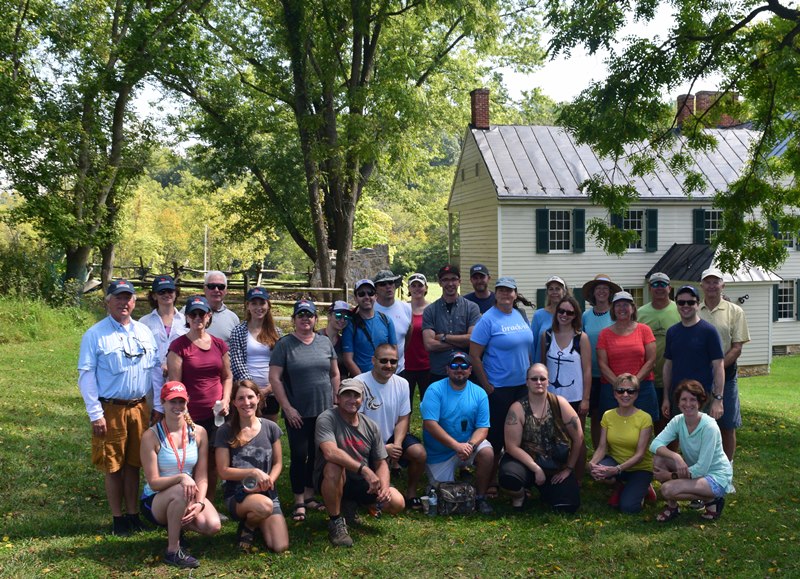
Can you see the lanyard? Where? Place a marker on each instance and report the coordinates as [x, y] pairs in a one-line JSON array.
[[172, 445]]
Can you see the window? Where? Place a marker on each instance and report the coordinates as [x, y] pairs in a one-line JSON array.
[[634, 221], [638, 295], [788, 239], [712, 223], [644, 222], [786, 299], [560, 230]]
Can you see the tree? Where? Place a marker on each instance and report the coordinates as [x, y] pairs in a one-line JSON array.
[[71, 145], [311, 97], [754, 47]]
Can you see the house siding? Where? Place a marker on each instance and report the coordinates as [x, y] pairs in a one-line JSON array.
[[787, 332]]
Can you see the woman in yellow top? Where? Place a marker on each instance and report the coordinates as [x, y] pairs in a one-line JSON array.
[[622, 456]]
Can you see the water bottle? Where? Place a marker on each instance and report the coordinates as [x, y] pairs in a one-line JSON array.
[[432, 502], [219, 419], [249, 483]]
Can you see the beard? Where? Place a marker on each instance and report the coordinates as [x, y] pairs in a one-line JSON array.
[[458, 381]]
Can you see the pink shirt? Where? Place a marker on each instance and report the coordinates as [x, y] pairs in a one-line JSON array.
[[626, 353], [201, 374]]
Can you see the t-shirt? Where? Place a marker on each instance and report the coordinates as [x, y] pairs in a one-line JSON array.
[[593, 324], [692, 350], [626, 353], [542, 320], [457, 320], [222, 324], [458, 412], [306, 373], [622, 435], [483, 303], [565, 369], [416, 356], [362, 442], [385, 403], [201, 374], [255, 453], [400, 313], [362, 336], [659, 321], [507, 341]]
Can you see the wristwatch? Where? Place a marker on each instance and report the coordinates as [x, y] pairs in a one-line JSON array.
[[717, 396], [443, 339]]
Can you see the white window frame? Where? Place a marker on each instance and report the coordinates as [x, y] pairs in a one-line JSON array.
[[560, 237], [712, 223], [786, 301], [635, 220]]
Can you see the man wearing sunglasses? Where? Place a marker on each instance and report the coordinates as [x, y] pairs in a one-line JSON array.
[[660, 315], [223, 321], [386, 284], [116, 359], [693, 350], [365, 331], [386, 402], [455, 419]]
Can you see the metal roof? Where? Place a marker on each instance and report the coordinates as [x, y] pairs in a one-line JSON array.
[[687, 261], [527, 161]]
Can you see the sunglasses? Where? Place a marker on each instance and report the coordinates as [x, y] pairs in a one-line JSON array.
[[686, 302], [196, 314], [216, 286], [384, 283], [460, 366], [659, 284], [364, 293], [630, 391], [341, 316], [537, 379], [305, 314], [390, 361], [563, 312], [166, 291]]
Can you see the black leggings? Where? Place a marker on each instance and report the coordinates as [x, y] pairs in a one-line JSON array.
[[499, 402], [416, 378], [563, 497], [303, 452]]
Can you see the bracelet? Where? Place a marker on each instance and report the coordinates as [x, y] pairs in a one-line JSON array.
[[360, 468], [571, 468], [201, 503], [619, 469]]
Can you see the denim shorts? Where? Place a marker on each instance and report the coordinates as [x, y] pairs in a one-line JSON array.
[[715, 488]]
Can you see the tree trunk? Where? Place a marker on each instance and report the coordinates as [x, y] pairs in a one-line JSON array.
[[107, 269], [78, 263]]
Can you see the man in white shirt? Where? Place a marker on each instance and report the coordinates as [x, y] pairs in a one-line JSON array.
[[386, 402], [386, 284]]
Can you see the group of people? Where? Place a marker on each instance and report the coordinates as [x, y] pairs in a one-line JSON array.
[[498, 393]]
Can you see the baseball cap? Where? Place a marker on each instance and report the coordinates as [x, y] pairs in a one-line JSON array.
[[196, 303], [478, 268], [460, 355], [712, 271], [174, 389], [688, 288], [449, 268], [351, 384], [119, 286], [257, 292], [340, 306], [555, 278], [506, 281], [623, 295], [419, 278], [658, 276], [162, 282], [304, 306], [361, 282]]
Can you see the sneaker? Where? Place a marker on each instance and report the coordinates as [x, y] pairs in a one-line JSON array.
[[613, 500], [338, 533], [697, 504], [651, 497], [483, 507], [349, 510], [181, 559]]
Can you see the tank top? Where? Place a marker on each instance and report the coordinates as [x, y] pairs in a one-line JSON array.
[[565, 370], [539, 435], [167, 462]]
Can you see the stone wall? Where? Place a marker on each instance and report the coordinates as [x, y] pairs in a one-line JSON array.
[[364, 263]]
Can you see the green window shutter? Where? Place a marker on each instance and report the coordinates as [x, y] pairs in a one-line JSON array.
[[542, 231], [577, 293], [651, 235], [541, 298], [773, 225], [699, 225], [578, 230], [616, 220], [775, 303]]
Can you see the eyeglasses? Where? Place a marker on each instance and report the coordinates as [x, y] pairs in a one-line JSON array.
[[686, 302], [166, 291], [537, 379], [460, 366], [341, 316], [364, 293], [659, 284], [196, 314], [390, 361], [563, 312], [449, 280], [630, 391], [216, 286], [305, 314]]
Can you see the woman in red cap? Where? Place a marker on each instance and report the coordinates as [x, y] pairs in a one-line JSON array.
[[174, 457]]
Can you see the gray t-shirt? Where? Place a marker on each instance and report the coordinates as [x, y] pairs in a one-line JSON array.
[[462, 315], [306, 372], [222, 324], [256, 453], [362, 442]]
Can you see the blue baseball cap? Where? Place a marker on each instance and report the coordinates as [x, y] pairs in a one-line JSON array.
[[162, 282], [304, 306], [257, 292], [196, 303], [119, 286]]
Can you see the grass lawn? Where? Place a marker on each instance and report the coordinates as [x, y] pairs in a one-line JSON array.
[[54, 516]]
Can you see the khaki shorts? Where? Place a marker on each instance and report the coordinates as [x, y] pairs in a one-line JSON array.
[[120, 446]]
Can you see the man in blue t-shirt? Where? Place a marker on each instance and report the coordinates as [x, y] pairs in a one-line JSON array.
[[366, 331], [479, 278], [455, 419], [693, 350]]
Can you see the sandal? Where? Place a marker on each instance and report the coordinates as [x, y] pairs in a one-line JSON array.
[[717, 504], [297, 515], [414, 503], [314, 505], [668, 514], [245, 537]]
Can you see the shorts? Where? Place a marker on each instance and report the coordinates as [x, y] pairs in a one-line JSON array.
[[409, 440], [120, 446], [355, 489], [715, 487], [231, 502], [594, 396], [146, 507], [732, 414], [446, 471]]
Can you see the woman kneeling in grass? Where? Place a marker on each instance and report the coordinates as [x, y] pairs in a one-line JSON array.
[[701, 471], [250, 460], [174, 457]]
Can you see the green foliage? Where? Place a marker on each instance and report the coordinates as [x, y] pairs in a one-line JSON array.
[[26, 319]]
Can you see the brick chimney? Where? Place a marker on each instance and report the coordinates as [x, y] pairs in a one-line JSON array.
[[707, 98], [685, 107], [479, 101]]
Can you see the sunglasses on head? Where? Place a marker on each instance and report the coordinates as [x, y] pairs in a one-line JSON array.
[[216, 286], [563, 312], [341, 316], [364, 293], [630, 391], [460, 365], [659, 284], [390, 361], [305, 314], [686, 302], [166, 291]]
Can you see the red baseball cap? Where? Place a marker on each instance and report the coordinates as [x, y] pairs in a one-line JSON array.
[[172, 390]]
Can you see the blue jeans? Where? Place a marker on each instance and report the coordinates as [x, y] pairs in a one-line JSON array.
[[636, 484]]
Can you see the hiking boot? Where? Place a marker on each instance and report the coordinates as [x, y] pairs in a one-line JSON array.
[[349, 510], [483, 507], [181, 559], [120, 527], [135, 524], [338, 533]]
